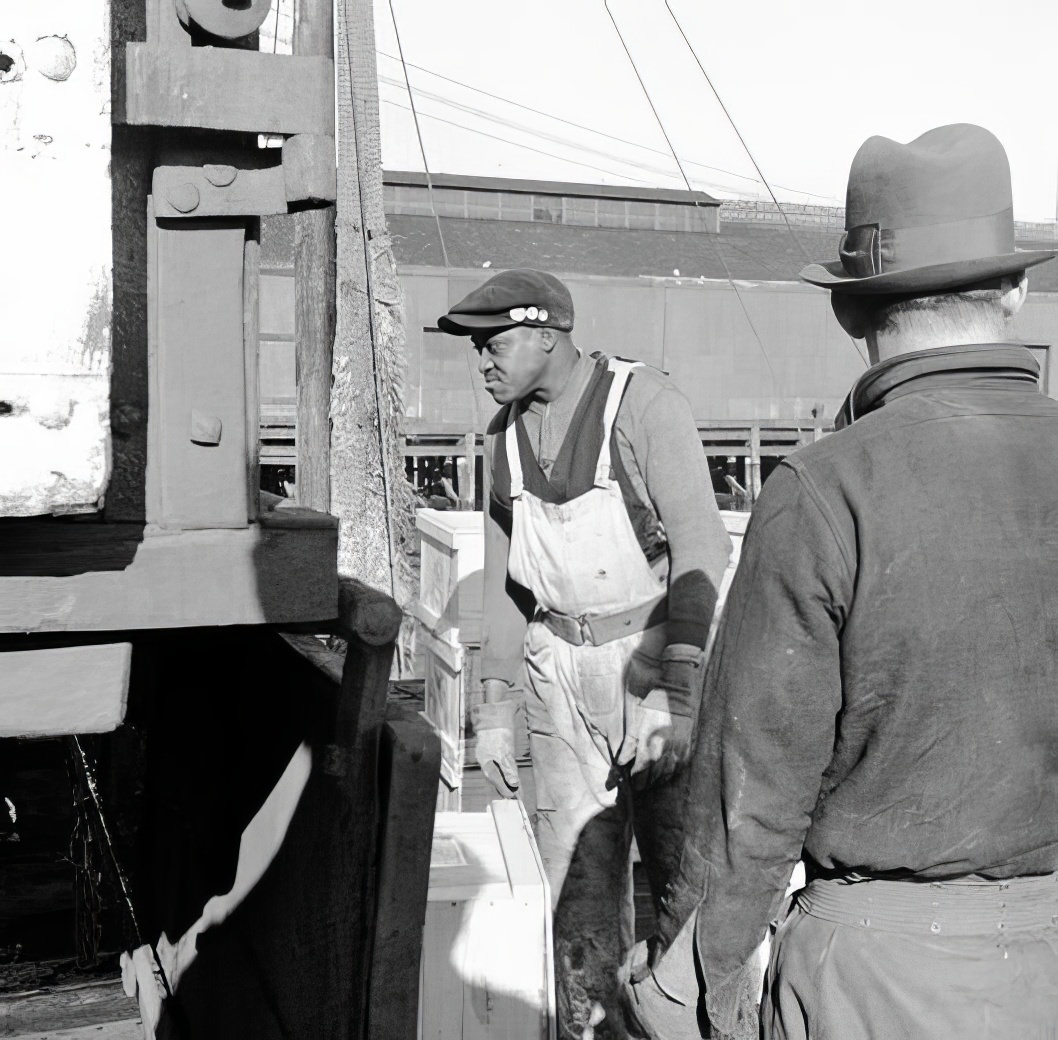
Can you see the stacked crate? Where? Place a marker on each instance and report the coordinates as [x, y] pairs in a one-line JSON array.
[[449, 608]]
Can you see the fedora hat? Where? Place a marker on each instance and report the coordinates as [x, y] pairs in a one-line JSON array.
[[926, 216]]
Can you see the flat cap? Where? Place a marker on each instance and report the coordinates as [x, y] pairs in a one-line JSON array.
[[517, 297]]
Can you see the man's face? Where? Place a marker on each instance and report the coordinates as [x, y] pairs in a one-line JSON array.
[[513, 362]]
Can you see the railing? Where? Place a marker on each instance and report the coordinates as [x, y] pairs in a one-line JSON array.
[[750, 443]]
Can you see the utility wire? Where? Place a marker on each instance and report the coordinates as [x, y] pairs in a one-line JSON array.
[[579, 126], [742, 141], [518, 144], [418, 134], [719, 251]]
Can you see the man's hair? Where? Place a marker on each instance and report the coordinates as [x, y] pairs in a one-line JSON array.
[[981, 302]]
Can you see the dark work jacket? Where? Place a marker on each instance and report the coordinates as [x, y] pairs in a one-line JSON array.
[[883, 695]]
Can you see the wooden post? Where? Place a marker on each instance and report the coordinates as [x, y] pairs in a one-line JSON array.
[[251, 325], [369, 493], [314, 297], [754, 462], [467, 474], [409, 774]]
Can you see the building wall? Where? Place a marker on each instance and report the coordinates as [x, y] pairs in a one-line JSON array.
[[771, 350]]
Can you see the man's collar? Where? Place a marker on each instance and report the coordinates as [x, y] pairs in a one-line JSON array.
[[962, 365]]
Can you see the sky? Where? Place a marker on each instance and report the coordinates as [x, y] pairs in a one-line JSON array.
[[545, 90]]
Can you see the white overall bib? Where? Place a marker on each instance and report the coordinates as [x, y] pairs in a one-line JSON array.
[[584, 565]]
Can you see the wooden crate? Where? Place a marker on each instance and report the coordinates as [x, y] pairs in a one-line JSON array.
[[487, 970], [452, 558], [450, 673]]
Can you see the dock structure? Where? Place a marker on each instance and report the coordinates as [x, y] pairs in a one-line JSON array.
[[208, 662]]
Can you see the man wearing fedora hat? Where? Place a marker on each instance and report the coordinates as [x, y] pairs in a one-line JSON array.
[[604, 551], [882, 701]]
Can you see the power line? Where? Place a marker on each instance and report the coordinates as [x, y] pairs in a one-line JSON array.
[[719, 251], [588, 129], [538, 134], [418, 134], [518, 144], [742, 141]]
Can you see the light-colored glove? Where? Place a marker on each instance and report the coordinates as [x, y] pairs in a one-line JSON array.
[[494, 726], [660, 725]]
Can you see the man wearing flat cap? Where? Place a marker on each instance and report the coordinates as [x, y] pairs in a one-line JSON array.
[[882, 700], [604, 551]]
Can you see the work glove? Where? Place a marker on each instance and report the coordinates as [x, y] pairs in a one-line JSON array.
[[660, 721], [494, 726]]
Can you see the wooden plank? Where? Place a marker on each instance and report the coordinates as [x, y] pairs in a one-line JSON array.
[[309, 169], [200, 409], [64, 690], [410, 760], [69, 1011], [229, 89], [250, 576], [251, 340], [218, 191], [127, 1029], [361, 711], [367, 614], [441, 988], [55, 363], [315, 252]]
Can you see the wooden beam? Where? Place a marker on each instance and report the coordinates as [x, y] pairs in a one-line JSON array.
[[251, 339], [409, 770], [198, 400], [64, 690], [277, 570], [229, 89], [71, 1009], [307, 174], [369, 493], [314, 296]]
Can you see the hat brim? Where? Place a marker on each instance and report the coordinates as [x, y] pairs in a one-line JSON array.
[[833, 276], [468, 324]]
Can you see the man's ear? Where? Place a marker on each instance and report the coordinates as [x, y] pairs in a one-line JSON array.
[[850, 313], [548, 339], [1014, 295]]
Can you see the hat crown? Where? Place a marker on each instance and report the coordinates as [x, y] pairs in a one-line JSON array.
[[949, 174]]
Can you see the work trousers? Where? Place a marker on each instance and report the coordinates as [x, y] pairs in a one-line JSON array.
[[585, 821], [897, 960]]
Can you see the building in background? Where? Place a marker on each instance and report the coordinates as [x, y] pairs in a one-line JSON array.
[[703, 289]]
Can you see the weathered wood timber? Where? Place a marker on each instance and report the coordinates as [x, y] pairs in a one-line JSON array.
[[280, 569], [59, 690], [410, 764], [306, 174], [229, 89], [368, 488], [314, 299], [65, 1007]]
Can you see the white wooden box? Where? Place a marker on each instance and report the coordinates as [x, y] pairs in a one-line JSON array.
[[450, 673], [451, 561], [487, 971]]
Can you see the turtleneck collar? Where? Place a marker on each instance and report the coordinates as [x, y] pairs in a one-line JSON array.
[[992, 366]]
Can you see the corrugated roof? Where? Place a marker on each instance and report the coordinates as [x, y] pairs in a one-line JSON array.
[[742, 251], [675, 196]]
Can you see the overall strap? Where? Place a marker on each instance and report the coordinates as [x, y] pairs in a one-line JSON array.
[[514, 459], [621, 371]]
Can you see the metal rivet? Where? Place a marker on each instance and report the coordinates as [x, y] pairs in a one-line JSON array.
[[183, 197]]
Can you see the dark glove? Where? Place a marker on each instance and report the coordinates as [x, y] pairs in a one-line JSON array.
[[494, 726], [660, 724]]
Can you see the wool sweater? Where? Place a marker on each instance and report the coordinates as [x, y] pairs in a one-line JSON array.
[[663, 474]]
